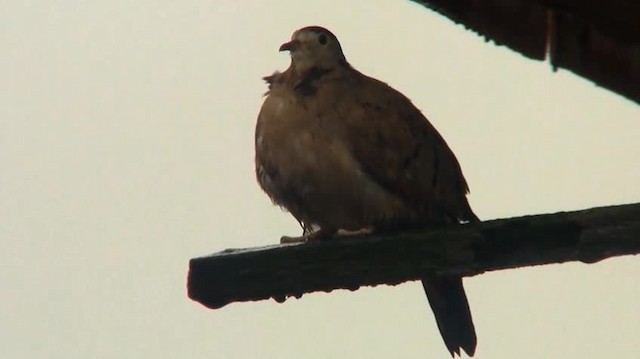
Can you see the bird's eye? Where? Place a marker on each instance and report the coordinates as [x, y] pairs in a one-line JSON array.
[[322, 39]]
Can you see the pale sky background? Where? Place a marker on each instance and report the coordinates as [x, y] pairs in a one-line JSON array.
[[126, 148]]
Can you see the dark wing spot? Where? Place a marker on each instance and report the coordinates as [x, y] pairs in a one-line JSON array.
[[436, 164], [412, 157], [380, 141], [373, 106]]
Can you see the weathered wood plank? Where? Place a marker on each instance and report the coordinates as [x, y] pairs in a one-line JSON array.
[[282, 271]]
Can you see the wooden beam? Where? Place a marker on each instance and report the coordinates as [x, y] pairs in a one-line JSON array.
[[282, 271]]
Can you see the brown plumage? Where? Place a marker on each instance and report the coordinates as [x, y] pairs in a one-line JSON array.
[[343, 151]]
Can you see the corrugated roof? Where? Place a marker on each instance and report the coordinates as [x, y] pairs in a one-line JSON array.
[[596, 39]]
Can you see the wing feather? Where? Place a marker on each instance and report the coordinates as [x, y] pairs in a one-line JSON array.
[[401, 150]]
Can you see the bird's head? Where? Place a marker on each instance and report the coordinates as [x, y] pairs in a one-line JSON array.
[[314, 46]]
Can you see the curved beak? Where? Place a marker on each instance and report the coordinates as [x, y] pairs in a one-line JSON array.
[[289, 46]]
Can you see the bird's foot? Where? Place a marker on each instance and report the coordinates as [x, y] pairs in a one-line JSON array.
[[359, 232], [318, 235]]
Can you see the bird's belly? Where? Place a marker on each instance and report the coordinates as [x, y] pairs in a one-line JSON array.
[[316, 178]]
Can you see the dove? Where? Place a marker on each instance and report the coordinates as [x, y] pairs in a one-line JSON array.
[[344, 152]]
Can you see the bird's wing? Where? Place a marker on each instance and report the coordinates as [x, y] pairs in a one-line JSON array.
[[397, 146]]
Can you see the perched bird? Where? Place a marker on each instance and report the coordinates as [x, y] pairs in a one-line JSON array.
[[343, 151]]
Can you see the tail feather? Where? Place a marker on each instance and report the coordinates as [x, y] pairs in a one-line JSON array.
[[451, 310]]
